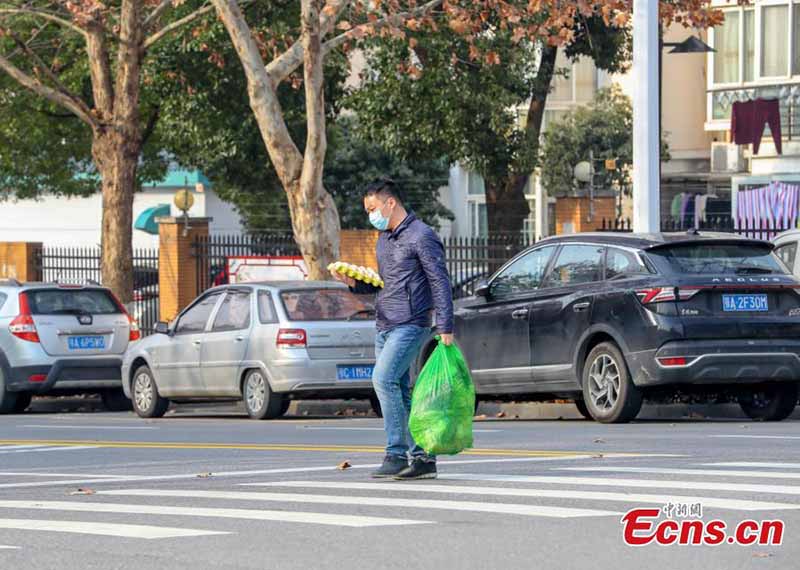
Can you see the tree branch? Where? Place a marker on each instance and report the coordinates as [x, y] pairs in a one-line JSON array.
[[150, 127], [156, 14], [46, 16], [285, 64], [394, 19], [48, 93], [177, 24], [41, 65]]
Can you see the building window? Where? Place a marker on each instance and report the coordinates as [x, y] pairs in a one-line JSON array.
[[475, 185], [726, 44], [749, 45], [774, 41], [578, 85], [478, 221]]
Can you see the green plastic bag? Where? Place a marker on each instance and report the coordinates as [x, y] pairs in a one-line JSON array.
[[443, 403]]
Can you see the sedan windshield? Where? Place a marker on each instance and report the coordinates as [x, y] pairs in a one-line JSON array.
[[325, 305]]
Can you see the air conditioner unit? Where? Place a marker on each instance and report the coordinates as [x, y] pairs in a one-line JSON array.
[[727, 157]]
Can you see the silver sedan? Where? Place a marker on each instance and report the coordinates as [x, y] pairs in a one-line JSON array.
[[264, 343]]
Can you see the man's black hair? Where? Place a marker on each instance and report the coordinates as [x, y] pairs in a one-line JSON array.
[[383, 189]]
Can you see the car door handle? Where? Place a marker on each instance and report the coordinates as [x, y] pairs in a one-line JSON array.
[[239, 338], [197, 342], [580, 307], [519, 314]]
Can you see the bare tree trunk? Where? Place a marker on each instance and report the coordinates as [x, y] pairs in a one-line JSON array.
[[117, 159], [506, 205], [315, 220]]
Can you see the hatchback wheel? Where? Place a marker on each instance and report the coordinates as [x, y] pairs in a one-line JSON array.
[[8, 400], [772, 403], [115, 401], [608, 392], [147, 402], [23, 401], [260, 401]]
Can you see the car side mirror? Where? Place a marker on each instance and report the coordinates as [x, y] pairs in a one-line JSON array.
[[162, 328], [482, 288]]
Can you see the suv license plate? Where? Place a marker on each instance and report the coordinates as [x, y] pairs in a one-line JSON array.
[[86, 342], [744, 303]]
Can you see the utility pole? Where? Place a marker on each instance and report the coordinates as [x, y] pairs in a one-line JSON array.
[[646, 103]]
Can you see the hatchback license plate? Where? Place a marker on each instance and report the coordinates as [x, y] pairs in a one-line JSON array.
[[744, 303], [86, 342], [354, 372]]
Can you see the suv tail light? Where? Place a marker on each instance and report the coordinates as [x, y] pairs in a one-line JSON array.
[[663, 294], [291, 337], [135, 333], [23, 326]]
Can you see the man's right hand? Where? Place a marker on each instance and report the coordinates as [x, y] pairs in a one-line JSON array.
[[349, 281]]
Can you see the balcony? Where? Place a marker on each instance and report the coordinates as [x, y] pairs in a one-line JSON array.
[[721, 102]]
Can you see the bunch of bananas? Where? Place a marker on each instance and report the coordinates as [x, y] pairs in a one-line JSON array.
[[358, 272]]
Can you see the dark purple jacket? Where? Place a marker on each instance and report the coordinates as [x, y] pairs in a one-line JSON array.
[[412, 266]]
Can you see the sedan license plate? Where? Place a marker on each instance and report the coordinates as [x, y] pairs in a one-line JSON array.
[[86, 342], [354, 372], [744, 303]]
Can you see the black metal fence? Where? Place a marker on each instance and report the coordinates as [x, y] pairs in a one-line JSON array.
[[82, 265], [468, 259], [725, 224]]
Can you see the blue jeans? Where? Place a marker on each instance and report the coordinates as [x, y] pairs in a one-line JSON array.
[[395, 350]]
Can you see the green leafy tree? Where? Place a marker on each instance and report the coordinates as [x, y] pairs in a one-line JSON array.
[[604, 127]]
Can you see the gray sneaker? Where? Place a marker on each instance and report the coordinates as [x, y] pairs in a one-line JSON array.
[[419, 469], [392, 465]]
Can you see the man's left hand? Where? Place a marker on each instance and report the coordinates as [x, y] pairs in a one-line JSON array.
[[447, 338]]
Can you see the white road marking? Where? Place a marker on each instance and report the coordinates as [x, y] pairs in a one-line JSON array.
[[457, 505], [754, 464], [12, 447], [40, 449], [614, 482], [330, 468], [42, 426], [712, 502], [4, 547], [105, 529], [760, 436], [698, 472], [39, 474], [246, 514]]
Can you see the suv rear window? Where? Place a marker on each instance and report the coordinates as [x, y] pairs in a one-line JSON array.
[[724, 258], [71, 301], [325, 305]]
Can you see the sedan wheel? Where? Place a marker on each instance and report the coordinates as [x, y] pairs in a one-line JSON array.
[[146, 400], [608, 392], [772, 403], [260, 401]]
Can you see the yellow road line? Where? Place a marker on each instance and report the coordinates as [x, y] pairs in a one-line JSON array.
[[276, 447]]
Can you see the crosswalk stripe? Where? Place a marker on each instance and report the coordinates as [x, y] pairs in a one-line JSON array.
[[246, 514], [699, 472], [496, 508], [5, 547], [614, 482], [105, 529], [754, 464], [710, 502]]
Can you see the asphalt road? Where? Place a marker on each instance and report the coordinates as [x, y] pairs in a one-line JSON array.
[[201, 489]]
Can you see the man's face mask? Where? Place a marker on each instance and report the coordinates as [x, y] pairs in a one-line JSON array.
[[378, 220]]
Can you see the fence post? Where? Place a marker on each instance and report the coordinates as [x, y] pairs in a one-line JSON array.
[[19, 260], [177, 268]]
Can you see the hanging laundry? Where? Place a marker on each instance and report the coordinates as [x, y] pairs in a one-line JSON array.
[[767, 210], [748, 119]]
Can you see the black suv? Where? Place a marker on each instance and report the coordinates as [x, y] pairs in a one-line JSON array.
[[611, 319]]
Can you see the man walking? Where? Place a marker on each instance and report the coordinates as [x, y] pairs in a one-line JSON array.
[[412, 266]]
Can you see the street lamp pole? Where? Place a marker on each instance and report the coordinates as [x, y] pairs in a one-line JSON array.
[[646, 103]]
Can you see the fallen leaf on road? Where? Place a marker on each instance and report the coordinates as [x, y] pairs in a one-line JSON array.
[[599, 440], [205, 475], [500, 415], [763, 555], [343, 465], [480, 417], [598, 456], [82, 491]]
